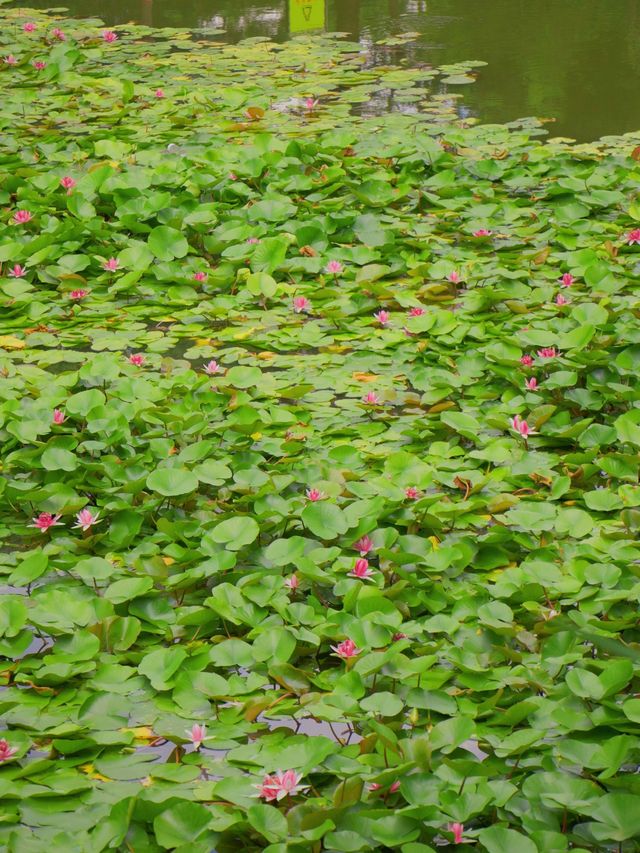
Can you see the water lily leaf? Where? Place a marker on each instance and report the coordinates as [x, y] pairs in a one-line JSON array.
[[172, 481]]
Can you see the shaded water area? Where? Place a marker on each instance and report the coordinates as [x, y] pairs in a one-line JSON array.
[[575, 61]]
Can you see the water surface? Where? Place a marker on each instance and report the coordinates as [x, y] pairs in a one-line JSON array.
[[576, 61]]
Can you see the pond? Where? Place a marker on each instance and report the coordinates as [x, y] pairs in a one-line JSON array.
[[574, 61]]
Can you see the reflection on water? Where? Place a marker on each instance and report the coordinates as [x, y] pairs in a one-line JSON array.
[[576, 61], [341, 732]]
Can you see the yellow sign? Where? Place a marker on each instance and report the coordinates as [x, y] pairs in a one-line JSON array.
[[306, 15]]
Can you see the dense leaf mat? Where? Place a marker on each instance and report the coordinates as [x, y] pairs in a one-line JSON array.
[[246, 324]]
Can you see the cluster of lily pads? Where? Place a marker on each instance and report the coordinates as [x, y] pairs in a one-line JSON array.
[[320, 442]]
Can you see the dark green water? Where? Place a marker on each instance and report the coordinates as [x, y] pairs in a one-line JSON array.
[[576, 61]]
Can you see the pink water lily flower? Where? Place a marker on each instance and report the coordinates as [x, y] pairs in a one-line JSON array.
[[454, 277], [17, 271], [482, 232], [382, 317], [547, 352], [10, 59], [21, 217], [566, 280], [253, 240], [86, 519], [633, 237], [137, 359], [416, 311], [395, 786], [232, 176], [531, 384], [199, 276], [526, 360], [561, 300], [6, 751], [361, 570], [301, 304], [196, 734], [111, 265], [269, 788], [292, 582], [314, 495], [412, 493], [29, 27], [363, 545], [334, 267], [77, 295], [346, 649], [58, 416], [39, 65], [458, 830], [521, 427], [159, 93], [212, 367], [45, 520], [375, 786], [310, 103], [57, 33], [109, 36], [68, 183], [371, 399], [399, 636]]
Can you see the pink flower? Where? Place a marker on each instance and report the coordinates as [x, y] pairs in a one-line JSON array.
[[45, 520], [334, 267], [375, 786], [67, 183], [252, 241], [199, 276], [39, 65], [29, 27], [111, 265], [395, 786], [412, 493], [310, 103], [566, 280], [482, 232], [547, 352], [279, 785], [633, 237], [561, 300], [17, 271], [233, 176], [382, 317], [416, 311], [159, 93], [521, 427], [399, 636], [292, 583], [363, 545], [454, 277], [137, 359], [58, 416], [10, 59], [457, 829], [361, 570], [527, 360], [532, 383], [288, 782], [300, 304], [109, 36], [371, 399], [6, 751], [212, 367], [85, 519], [58, 34], [314, 495], [269, 788], [197, 734], [346, 649], [79, 294], [21, 217]]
